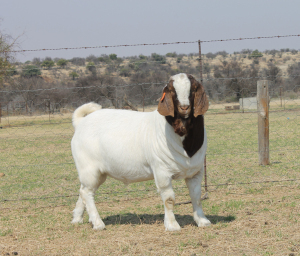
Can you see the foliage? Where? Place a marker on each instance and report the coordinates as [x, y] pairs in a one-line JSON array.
[[256, 54], [158, 58], [35, 61], [7, 44], [210, 55], [142, 57], [62, 63], [47, 64], [74, 75], [125, 71], [171, 54], [12, 71], [179, 59], [222, 53], [77, 61], [91, 67], [113, 56], [31, 71]]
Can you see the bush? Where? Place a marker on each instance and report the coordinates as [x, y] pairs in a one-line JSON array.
[[31, 71], [113, 56], [91, 67], [171, 54], [222, 53], [256, 54], [73, 75], [125, 72], [210, 55], [62, 63], [78, 61], [92, 58], [47, 64], [158, 58], [179, 59], [142, 57]]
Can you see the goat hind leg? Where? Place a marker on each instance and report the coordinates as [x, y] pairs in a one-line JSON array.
[[86, 200], [87, 195], [78, 211]]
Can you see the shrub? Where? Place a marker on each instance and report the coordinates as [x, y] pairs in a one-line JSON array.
[[62, 63], [158, 58], [113, 56], [78, 61], [74, 75], [210, 55], [171, 54], [91, 67], [31, 71], [47, 64]]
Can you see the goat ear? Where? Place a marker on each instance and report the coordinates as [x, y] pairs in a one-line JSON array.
[[166, 105], [201, 103]]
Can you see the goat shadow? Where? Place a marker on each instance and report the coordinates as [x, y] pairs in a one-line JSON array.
[[138, 219]]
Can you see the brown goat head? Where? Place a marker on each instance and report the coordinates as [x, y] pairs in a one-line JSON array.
[[183, 96]]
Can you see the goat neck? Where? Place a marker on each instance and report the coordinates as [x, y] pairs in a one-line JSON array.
[[191, 128]]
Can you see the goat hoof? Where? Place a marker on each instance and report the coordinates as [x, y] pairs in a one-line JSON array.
[[99, 225], [77, 220], [204, 223], [172, 227]]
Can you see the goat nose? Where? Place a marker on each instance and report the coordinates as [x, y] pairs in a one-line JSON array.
[[184, 107]]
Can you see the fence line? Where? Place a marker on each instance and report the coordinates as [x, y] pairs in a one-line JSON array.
[[155, 44], [124, 85], [147, 190]]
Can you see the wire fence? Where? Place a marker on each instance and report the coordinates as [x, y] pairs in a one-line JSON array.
[[37, 168]]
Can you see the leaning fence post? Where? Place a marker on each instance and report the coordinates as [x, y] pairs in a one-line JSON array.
[[263, 121]]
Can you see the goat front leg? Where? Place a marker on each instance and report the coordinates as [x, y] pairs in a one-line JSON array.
[[194, 186], [168, 197]]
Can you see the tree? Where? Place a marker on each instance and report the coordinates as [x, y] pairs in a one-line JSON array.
[[113, 56], [62, 63], [73, 75], [158, 58], [256, 54], [7, 45], [47, 64], [91, 67], [31, 71]]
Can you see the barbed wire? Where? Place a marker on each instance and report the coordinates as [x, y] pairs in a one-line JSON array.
[[149, 189], [154, 44], [124, 85]]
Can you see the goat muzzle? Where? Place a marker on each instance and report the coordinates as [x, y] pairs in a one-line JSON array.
[[184, 111]]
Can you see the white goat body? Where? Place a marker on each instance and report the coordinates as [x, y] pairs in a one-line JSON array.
[[132, 147]]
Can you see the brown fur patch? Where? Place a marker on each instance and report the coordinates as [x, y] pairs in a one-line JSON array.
[[192, 127], [169, 203]]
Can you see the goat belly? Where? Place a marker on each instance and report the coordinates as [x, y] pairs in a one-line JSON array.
[[116, 142]]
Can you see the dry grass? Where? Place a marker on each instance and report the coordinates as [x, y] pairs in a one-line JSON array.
[[40, 187]]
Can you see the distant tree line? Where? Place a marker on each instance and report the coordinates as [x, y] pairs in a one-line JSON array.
[[113, 81]]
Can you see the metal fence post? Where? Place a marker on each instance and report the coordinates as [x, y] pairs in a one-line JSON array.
[[263, 121]]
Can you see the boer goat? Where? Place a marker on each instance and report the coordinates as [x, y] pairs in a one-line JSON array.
[[166, 144]]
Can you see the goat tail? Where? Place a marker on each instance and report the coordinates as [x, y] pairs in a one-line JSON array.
[[83, 111]]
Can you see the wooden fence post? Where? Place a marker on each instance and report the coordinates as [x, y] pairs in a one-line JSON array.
[[201, 80], [263, 121]]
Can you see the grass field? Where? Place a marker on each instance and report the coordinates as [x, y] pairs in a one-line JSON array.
[[250, 216]]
